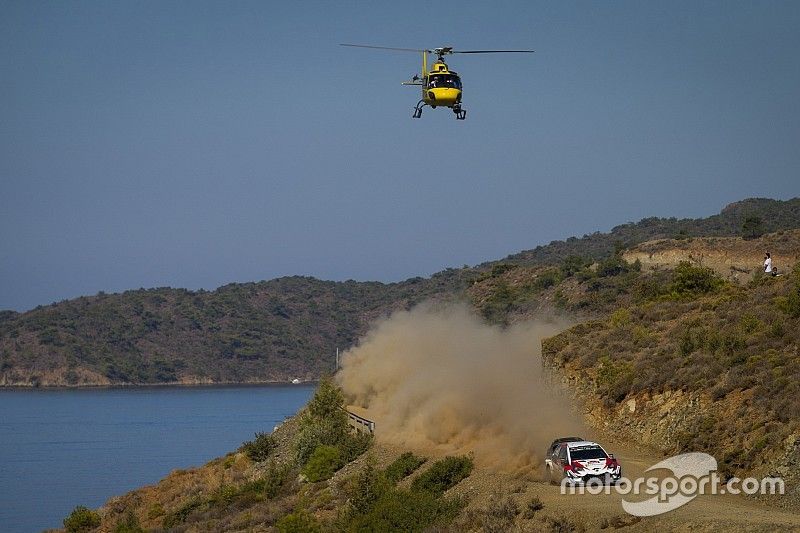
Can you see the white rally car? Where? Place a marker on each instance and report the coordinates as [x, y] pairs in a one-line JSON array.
[[580, 461]]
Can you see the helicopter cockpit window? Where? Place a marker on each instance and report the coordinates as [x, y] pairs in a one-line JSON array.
[[444, 80]]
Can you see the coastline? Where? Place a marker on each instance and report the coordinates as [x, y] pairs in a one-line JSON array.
[[174, 384]]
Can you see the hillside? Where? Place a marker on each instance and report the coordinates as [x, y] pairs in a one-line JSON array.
[[749, 218], [705, 366], [313, 475], [674, 354], [286, 328], [254, 332]]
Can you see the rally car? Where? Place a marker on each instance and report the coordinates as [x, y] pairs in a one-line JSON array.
[[578, 461]]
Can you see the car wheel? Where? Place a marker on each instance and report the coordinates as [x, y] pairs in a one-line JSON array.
[[551, 475]]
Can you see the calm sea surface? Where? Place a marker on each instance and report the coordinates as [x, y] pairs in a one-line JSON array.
[[62, 448]]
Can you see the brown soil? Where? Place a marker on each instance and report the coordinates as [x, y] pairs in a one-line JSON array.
[[596, 512], [732, 257]]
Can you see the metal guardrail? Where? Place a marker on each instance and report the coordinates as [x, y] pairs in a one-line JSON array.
[[360, 423]]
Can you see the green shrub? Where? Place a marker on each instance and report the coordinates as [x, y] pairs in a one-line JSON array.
[[501, 268], [223, 496], [355, 444], [323, 463], [620, 318], [328, 403], [497, 305], [155, 511], [689, 280], [271, 484], [298, 522], [324, 423], [259, 449], [790, 304], [548, 278], [403, 466], [752, 227], [369, 486], [316, 433], [573, 264], [129, 524], [614, 378], [614, 266], [403, 510], [81, 519], [182, 513], [443, 475]]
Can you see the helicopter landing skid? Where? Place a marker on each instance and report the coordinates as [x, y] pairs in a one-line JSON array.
[[461, 114]]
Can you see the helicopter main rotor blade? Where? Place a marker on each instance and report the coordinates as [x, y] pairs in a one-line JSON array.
[[384, 47], [492, 51]]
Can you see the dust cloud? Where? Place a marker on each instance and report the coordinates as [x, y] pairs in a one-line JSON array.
[[439, 380]]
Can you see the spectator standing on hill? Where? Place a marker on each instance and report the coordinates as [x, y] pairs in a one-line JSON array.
[[767, 264]]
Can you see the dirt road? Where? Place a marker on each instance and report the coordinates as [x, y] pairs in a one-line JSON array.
[[595, 512]]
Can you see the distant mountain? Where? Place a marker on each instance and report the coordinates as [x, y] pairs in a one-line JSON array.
[[290, 327]]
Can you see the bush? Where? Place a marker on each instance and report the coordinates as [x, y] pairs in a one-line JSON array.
[[328, 403], [403, 466], [573, 264], [369, 486], [403, 510], [81, 519], [298, 522], [259, 449], [443, 475], [324, 423], [155, 511], [354, 444], [129, 524], [614, 378], [497, 305], [181, 514], [271, 484], [323, 463], [316, 434], [499, 515], [547, 279], [790, 304], [614, 266], [535, 504], [689, 280], [620, 318], [752, 227]]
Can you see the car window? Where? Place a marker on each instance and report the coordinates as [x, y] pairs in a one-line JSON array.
[[587, 452], [562, 452]]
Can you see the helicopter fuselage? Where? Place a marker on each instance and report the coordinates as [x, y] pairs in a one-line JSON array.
[[442, 87]]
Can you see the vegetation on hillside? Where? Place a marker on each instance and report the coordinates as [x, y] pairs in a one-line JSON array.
[[267, 331], [691, 331], [748, 218], [285, 328], [294, 483], [681, 330]]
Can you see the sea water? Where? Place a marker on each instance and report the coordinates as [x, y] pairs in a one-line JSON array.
[[63, 448]]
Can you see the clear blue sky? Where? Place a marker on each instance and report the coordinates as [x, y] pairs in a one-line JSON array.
[[194, 144]]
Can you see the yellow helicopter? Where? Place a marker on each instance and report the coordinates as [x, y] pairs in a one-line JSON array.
[[440, 86]]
